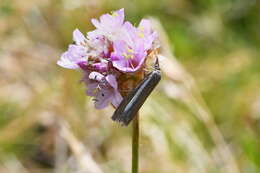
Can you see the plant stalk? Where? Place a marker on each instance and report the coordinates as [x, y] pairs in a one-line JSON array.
[[135, 144]]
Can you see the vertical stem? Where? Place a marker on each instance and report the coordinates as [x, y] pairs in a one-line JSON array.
[[135, 144]]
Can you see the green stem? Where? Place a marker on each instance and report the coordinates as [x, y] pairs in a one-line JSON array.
[[135, 144]]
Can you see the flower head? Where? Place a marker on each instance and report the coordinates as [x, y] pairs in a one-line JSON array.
[[108, 54]]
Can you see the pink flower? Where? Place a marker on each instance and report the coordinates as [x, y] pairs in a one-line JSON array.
[[108, 53], [109, 26], [146, 33], [76, 53], [130, 52], [126, 58], [103, 89]]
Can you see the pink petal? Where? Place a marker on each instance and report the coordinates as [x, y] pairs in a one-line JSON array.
[[65, 62], [103, 99], [112, 81], [145, 26], [78, 37], [96, 76], [117, 99], [91, 87], [95, 22]]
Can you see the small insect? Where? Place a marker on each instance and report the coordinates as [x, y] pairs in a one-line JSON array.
[[130, 105]]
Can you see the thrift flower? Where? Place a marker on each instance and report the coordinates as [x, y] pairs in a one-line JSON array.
[[103, 88], [130, 53], [146, 33], [76, 52], [108, 55], [128, 58], [109, 26]]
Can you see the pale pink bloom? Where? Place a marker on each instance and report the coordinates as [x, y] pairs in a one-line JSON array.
[[103, 89], [114, 48], [76, 53]]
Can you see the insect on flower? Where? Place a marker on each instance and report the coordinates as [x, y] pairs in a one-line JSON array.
[[108, 56], [131, 104]]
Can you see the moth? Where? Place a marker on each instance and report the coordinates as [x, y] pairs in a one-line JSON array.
[[131, 104]]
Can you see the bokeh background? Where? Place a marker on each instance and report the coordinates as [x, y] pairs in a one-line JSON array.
[[203, 117]]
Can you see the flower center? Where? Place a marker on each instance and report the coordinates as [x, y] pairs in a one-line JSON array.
[[141, 34], [129, 54]]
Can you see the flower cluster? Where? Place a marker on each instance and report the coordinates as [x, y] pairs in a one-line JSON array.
[[113, 49]]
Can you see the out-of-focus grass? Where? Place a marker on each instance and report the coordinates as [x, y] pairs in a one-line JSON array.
[[204, 116]]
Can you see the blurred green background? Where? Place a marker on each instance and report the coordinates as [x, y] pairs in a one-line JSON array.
[[203, 117]]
